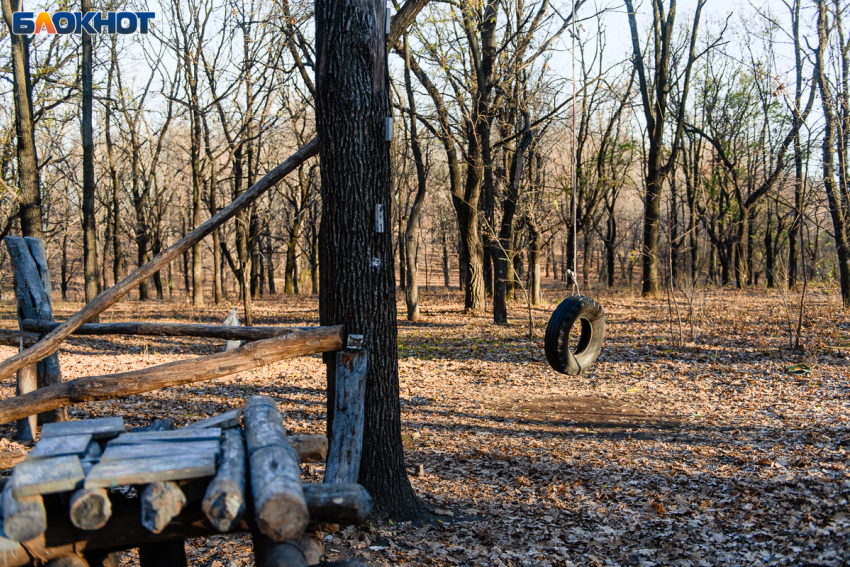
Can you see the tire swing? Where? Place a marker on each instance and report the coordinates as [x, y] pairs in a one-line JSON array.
[[575, 311]]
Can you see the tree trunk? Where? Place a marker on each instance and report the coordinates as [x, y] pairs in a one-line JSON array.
[[89, 230], [447, 272], [289, 271], [117, 254], [411, 246], [768, 249], [357, 286], [270, 263], [29, 197], [534, 261], [836, 206]]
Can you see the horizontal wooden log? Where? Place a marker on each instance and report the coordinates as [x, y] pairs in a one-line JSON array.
[[252, 355], [310, 448], [105, 300], [9, 337], [168, 330], [13, 338]]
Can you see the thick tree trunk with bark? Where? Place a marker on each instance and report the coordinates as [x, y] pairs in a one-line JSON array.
[[357, 286]]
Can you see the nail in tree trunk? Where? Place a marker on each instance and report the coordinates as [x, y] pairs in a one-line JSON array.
[[357, 286]]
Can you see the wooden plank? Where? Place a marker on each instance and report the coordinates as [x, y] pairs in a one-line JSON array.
[[275, 472], [226, 420], [149, 450], [60, 446], [101, 428], [144, 471], [348, 417], [9, 459], [12, 553], [248, 357], [224, 501], [237, 334], [103, 301], [181, 435], [46, 476]]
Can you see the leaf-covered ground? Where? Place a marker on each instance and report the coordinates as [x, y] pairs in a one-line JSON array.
[[708, 453]]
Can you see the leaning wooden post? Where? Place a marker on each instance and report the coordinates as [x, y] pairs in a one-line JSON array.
[[32, 279], [346, 443]]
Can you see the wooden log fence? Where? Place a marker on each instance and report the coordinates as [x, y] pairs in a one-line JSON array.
[[168, 330], [252, 355]]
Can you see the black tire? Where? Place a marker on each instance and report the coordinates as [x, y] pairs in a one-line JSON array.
[[589, 314]]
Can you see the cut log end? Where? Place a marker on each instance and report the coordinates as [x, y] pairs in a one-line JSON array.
[[23, 518], [224, 509], [283, 517], [90, 508], [161, 502]]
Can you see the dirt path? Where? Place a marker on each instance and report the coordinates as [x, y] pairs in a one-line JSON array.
[[710, 453]]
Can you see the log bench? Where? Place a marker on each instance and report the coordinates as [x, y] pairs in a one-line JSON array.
[[60, 507]]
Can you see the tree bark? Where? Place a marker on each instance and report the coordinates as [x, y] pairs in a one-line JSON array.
[[411, 245], [89, 231], [357, 285], [29, 197], [836, 207]]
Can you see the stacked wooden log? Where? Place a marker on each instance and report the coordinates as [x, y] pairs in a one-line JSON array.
[[201, 480]]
